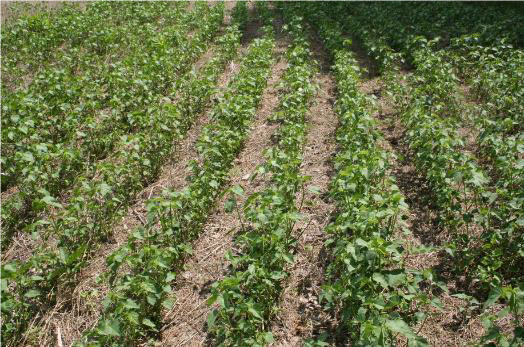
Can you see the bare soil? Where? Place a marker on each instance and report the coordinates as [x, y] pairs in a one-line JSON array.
[[185, 324], [300, 313]]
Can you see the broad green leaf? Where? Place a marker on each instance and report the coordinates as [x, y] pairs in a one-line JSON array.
[[254, 313], [238, 190], [131, 304], [211, 319], [109, 328], [149, 323], [32, 293], [168, 303], [399, 326], [379, 278], [230, 205], [494, 295]]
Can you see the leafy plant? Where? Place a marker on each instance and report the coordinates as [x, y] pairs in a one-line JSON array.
[[248, 298], [153, 253]]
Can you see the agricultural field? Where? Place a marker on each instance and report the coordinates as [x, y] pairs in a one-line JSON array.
[[262, 174]]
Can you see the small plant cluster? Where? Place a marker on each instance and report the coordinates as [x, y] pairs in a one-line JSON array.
[[44, 166], [240, 15], [96, 203], [141, 272], [395, 23], [249, 297], [495, 74], [430, 116], [375, 296], [463, 190], [63, 95]]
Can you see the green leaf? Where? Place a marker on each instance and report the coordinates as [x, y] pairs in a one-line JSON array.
[[9, 267], [230, 205], [396, 278], [314, 190], [32, 293], [49, 200], [151, 300], [401, 327], [212, 299], [4, 284], [168, 303], [170, 276], [268, 337], [104, 188], [109, 328], [211, 319], [130, 304], [254, 313], [238, 190], [379, 278], [149, 323], [494, 295], [262, 217], [28, 156]]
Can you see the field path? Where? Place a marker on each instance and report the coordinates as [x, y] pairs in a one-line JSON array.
[[299, 306], [185, 323], [447, 327]]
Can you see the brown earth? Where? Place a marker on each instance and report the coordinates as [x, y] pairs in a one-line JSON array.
[[300, 313], [185, 324]]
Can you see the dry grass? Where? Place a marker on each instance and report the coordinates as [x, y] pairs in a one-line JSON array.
[[300, 313], [185, 324]]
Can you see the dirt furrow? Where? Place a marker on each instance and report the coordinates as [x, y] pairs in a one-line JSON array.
[[185, 323], [452, 325], [299, 314]]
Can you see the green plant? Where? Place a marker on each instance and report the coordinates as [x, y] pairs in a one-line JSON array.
[[248, 298], [153, 253]]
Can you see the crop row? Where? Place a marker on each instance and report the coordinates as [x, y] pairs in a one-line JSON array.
[[65, 81], [493, 68], [67, 100], [249, 296], [35, 41], [481, 47], [398, 22], [495, 74], [48, 168], [431, 120], [141, 272], [462, 188], [431, 114], [375, 295], [96, 203]]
